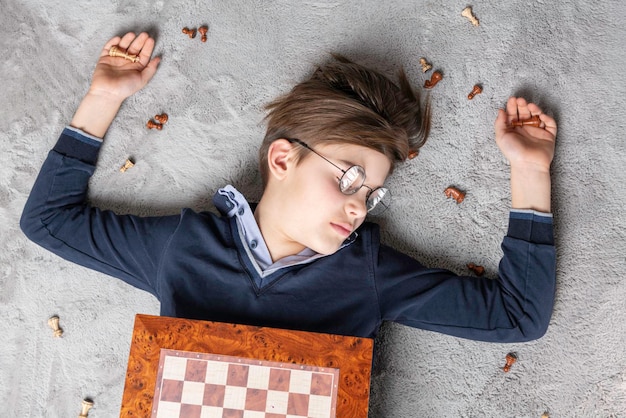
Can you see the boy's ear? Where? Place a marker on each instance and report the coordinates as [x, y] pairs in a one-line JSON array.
[[279, 158]]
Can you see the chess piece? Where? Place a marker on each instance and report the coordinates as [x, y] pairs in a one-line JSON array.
[[203, 30], [467, 12], [128, 164], [162, 118], [153, 125], [533, 121], [116, 51], [86, 406], [53, 323], [189, 32], [454, 193], [434, 79], [476, 90], [413, 154], [478, 270], [510, 359], [425, 65]]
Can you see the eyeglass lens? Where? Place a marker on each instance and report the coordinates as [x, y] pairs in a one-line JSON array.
[[352, 180]]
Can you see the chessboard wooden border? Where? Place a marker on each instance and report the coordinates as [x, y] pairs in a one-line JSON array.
[[351, 355]]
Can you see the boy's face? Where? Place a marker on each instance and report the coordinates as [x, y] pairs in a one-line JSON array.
[[316, 213]]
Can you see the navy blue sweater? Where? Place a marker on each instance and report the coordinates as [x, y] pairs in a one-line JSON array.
[[197, 267]]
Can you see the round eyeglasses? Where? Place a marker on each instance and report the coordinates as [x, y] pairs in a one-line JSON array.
[[377, 200]]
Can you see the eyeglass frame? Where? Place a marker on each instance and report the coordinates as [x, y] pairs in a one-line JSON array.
[[369, 193]]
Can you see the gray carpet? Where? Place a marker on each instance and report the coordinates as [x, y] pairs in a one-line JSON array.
[[566, 56]]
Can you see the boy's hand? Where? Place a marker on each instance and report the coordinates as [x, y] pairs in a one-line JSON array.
[[117, 78], [530, 151], [525, 147]]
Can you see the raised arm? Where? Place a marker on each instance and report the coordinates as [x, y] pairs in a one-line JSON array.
[[115, 79], [529, 150], [57, 215], [517, 305]]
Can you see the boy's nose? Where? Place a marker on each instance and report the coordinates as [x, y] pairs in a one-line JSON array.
[[355, 205]]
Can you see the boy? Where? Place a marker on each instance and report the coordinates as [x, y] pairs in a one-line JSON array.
[[304, 258]]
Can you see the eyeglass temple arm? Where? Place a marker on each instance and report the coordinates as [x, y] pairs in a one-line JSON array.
[[305, 145]]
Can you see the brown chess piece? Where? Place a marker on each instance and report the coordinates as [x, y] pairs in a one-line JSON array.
[[162, 118], [434, 79], [478, 270], [203, 31], [189, 32], [532, 121], [454, 193], [153, 125], [510, 359], [476, 90]]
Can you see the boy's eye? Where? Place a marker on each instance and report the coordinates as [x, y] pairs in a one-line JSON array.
[[352, 179]]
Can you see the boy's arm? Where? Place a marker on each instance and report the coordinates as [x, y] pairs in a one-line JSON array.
[[517, 306], [57, 216]]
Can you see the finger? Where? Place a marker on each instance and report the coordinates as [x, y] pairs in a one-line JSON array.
[[550, 124], [148, 72], [511, 109], [137, 44], [534, 109], [127, 40], [501, 123], [113, 41], [522, 109], [547, 122], [146, 51]]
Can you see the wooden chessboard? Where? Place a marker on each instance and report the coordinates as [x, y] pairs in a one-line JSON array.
[[187, 368]]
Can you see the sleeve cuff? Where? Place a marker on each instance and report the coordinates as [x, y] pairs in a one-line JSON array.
[[78, 144], [532, 226]]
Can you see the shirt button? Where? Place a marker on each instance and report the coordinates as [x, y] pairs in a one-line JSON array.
[[240, 212], [253, 244]]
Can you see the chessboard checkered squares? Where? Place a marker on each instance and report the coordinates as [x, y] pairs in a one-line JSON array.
[[219, 387]]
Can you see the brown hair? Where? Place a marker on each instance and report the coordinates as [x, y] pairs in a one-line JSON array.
[[344, 102]]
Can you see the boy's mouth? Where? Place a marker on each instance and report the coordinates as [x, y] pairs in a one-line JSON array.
[[343, 229]]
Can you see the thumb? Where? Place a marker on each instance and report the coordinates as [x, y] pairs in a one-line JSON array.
[[500, 124], [148, 72]]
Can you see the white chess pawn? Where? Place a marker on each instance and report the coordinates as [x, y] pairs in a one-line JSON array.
[[128, 164], [53, 322], [467, 13], [87, 405]]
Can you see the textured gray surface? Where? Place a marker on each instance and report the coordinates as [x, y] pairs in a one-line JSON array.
[[567, 56]]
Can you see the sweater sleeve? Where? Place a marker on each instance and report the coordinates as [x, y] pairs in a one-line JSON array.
[[514, 307], [58, 218]]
